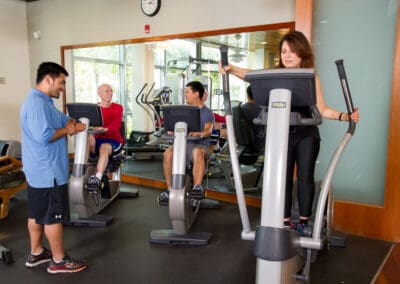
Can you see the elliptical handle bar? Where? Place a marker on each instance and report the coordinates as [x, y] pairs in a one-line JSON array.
[[246, 229], [140, 92], [346, 93], [225, 80], [144, 98]]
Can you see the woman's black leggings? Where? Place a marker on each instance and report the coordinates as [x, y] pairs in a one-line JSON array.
[[304, 154]]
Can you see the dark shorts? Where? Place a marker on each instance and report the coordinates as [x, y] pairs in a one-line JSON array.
[[117, 147], [49, 205], [189, 150]]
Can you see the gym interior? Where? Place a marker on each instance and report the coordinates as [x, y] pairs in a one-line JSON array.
[[147, 58]]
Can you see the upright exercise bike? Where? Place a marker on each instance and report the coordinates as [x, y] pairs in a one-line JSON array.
[[183, 210], [85, 204], [283, 256]]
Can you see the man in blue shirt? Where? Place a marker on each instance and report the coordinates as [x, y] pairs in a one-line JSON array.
[[46, 166], [197, 151]]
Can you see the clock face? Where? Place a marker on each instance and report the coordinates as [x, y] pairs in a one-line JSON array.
[[150, 7]]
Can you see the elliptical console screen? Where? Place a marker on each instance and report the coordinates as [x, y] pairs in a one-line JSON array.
[[300, 81]]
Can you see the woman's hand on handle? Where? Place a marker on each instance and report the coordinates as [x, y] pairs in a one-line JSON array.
[[355, 116], [344, 116], [234, 70]]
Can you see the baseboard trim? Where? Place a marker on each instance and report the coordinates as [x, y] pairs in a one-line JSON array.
[[366, 220]]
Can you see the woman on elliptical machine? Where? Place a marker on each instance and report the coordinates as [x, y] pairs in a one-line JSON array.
[[304, 141]]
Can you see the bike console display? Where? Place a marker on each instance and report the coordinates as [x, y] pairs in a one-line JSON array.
[[90, 111], [181, 113]]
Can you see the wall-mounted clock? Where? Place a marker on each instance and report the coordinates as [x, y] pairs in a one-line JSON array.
[[150, 7]]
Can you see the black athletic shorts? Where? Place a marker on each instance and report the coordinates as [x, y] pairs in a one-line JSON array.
[[49, 205]]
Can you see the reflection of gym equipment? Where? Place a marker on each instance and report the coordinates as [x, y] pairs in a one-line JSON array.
[[10, 148], [277, 248], [85, 204], [139, 144], [250, 159], [187, 73], [182, 120], [161, 97], [12, 180]]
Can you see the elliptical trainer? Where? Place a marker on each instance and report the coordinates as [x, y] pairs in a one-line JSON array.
[[278, 249]]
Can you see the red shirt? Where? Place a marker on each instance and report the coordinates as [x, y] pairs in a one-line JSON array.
[[112, 118], [219, 118]]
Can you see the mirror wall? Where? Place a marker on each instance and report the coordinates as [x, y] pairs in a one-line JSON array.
[[142, 69]]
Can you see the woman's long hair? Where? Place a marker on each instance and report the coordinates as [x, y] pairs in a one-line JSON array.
[[298, 44]]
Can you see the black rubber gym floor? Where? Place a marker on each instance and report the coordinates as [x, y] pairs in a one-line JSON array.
[[121, 252]]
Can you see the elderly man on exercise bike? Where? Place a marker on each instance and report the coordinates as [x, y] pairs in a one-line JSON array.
[[107, 143]]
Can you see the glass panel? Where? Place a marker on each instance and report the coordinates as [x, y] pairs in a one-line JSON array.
[[129, 54], [365, 41], [159, 57], [130, 98], [89, 75], [102, 52]]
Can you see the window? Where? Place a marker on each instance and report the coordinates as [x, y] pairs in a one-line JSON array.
[[108, 64]]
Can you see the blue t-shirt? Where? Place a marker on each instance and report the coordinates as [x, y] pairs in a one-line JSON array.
[[43, 161], [206, 116]]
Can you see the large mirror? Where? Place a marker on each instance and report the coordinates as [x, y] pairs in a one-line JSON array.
[[147, 73]]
